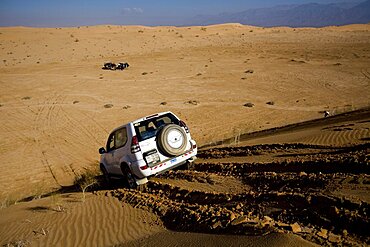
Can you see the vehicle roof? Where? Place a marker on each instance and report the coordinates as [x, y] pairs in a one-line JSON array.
[[150, 116], [142, 119]]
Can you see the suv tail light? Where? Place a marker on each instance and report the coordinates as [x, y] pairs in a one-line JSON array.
[[135, 147], [182, 124]]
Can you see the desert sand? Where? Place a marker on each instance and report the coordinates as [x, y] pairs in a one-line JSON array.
[[57, 107]]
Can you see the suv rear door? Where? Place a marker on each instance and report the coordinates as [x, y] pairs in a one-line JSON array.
[[146, 133]]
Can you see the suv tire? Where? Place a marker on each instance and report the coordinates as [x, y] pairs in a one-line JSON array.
[[128, 177], [172, 140]]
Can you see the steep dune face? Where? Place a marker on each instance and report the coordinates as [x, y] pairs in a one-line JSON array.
[[58, 105]]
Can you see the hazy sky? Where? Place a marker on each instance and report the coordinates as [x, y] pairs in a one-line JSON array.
[[55, 13]]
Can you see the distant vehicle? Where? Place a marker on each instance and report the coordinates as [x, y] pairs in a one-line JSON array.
[[112, 66], [122, 66], [145, 147]]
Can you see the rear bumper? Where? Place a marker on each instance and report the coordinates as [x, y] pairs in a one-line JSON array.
[[173, 163], [141, 170], [192, 159]]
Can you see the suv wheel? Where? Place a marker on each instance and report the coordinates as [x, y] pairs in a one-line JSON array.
[[128, 177], [172, 140]]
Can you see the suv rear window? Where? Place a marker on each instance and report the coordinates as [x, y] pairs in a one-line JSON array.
[[148, 128]]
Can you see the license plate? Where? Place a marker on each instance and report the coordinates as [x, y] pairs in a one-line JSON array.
[[173, 160], [152, 158]]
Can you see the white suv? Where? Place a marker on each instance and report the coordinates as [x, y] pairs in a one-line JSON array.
[[145, 147]]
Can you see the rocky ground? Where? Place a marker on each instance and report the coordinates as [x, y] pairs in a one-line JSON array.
[[319, 193]]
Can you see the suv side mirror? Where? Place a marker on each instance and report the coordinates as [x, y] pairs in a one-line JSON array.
[[102, 151]]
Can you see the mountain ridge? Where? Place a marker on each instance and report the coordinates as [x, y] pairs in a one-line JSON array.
[[303, 15]]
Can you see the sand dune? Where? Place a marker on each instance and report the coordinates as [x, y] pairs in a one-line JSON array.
[[53, 90], [57, 105], [341, 130], [196, 239], [64, 220]]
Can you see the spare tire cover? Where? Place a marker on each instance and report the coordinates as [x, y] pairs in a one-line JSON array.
[[172, 140]]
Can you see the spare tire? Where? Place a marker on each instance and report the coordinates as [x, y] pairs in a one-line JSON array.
[[172, 140]]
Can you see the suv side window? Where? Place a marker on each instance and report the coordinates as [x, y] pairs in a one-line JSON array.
[[120, 137], [117, 139], [110, 143]]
